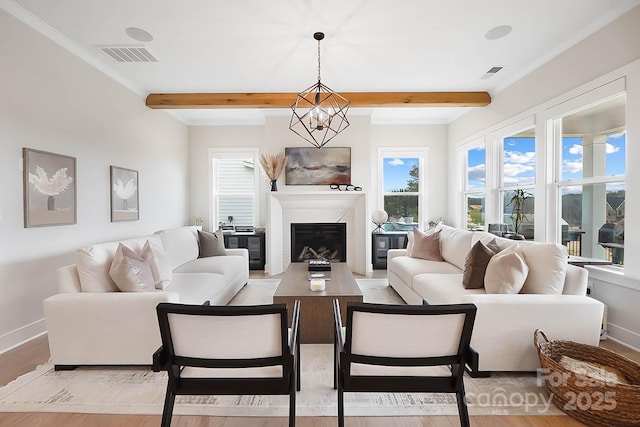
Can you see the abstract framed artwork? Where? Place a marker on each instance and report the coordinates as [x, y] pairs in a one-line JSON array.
[[313, 166], [49, 188], [124, 194]]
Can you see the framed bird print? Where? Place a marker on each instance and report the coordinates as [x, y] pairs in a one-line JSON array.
[[124, 194], [49, 188]]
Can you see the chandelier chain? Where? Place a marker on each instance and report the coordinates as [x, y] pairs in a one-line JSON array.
[[318, 60], [319, 114]]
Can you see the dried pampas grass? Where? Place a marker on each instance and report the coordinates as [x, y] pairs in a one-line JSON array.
[[273, 165]]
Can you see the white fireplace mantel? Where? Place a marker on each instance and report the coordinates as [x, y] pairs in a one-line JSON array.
[[286, 207]]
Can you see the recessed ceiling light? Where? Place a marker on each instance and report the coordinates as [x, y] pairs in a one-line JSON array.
[[139, 34], [498, 32]]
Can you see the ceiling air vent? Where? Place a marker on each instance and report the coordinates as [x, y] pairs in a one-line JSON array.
[[129, 53], [491, 72]]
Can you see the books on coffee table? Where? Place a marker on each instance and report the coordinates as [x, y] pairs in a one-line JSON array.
[[319, 265]]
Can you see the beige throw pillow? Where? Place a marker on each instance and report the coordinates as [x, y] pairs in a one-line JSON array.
[[426, 245], [548, 264], [211, 244], [131, 272], [506, 273], [157, 258], [475, 266]]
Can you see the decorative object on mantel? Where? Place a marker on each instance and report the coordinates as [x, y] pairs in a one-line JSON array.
[[309, 166], [319, 113], [517, 212], [48, 200], [345, 187], [273, 165], [379, 217]]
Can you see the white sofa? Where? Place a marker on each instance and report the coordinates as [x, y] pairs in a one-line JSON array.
[[90, 322], [503, 333]]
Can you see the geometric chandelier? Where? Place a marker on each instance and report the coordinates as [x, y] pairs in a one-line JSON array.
[[319, 113]]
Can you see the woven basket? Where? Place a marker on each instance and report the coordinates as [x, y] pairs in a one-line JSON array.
[[592, 401]]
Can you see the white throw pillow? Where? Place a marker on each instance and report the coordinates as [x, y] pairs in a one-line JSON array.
[[547, 268], [506, 273], [93, 264], [159, 262], [131, 272], [455, 244]]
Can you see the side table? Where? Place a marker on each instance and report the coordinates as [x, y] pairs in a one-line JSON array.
[[382, 242]]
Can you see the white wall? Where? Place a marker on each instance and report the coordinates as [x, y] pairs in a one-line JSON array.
[[272, 137], [431, 137], [53, 101], [614, 46], [609, 55], [363, 138], [621, 298], [201, 138]]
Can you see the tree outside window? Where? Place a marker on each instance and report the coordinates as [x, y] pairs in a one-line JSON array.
[[401, 189]]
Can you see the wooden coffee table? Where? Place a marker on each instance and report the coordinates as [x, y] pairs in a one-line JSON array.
[[316, 307]]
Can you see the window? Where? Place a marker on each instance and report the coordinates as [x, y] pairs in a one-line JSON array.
[[591, 180], [518, 169], [234, 188], [475, 187], [402, 187]]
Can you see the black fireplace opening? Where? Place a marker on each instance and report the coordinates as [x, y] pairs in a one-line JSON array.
[[323, 241]]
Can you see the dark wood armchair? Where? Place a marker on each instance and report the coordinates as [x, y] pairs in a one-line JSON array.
[[209, 350]]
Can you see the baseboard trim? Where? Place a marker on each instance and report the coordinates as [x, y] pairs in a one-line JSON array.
[[22, 335], [623, 336]]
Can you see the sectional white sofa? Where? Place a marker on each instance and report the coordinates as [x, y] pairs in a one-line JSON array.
[[553, 298], [91, 322]]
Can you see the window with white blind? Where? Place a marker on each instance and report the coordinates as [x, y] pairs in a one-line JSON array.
[[234, 186]]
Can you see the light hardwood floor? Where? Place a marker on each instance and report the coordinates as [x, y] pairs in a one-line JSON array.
[[26, 357]]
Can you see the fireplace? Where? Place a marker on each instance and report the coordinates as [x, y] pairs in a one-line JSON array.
[[295, 207], [324, 241]]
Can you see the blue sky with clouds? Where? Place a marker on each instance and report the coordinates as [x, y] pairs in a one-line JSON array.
[[519, 160], [572, 156], [396, 172]]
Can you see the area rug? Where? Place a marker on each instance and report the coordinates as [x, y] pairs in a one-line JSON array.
[[128, 390]]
